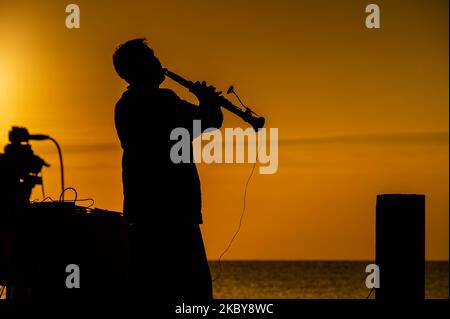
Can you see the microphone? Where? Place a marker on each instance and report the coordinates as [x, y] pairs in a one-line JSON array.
[[21, 135]]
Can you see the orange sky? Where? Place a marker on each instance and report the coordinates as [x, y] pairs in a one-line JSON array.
[[360, 112]]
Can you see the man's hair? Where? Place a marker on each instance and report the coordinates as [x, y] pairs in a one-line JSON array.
[[129, 56]]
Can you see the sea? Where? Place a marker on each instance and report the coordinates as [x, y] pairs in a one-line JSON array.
[[309, 279]]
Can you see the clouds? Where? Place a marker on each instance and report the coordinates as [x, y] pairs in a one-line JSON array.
[[438, 137], [413, 138]]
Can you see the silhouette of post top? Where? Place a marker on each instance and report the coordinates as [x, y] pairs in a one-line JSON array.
[[400, 246]]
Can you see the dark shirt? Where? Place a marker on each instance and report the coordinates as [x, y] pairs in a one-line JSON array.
[[156, 189]]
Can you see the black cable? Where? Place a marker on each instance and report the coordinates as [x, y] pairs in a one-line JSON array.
[[42, 185], [239, 226], [76, 199], [61, 165], [235, 94], [87, 199], [47, 198], [231, 90], [61, 197], [42, 137], [370, 293]]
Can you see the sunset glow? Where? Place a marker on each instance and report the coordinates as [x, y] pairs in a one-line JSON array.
[[358, 112]]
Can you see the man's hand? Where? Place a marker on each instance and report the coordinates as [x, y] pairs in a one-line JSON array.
[[206, 94]]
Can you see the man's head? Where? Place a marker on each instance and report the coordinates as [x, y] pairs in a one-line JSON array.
[[136, 63]]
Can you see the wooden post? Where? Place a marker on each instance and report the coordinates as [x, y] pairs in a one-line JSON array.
[[400, 247]]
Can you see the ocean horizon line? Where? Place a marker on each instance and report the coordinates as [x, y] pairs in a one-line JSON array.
[[314, 260]]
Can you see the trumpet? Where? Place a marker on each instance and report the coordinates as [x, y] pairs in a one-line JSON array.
[[246, 114]]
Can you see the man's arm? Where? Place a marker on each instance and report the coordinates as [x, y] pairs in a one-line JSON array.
[[208, 110], [211, 113]]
